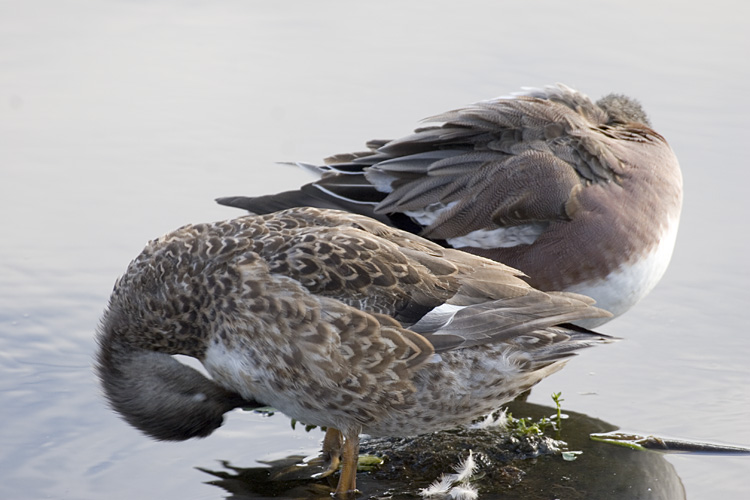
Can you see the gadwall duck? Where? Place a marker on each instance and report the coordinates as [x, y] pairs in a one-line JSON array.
[[332, 318], [580, 196]]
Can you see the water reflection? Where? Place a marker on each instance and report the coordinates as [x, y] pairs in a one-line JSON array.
[[504, 467]]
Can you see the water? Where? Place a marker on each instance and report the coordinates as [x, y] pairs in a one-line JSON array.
[[122, 120]]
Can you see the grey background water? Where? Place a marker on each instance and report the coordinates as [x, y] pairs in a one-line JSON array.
[[121, 120]]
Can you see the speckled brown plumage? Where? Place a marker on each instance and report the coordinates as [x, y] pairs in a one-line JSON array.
[[334, 319]]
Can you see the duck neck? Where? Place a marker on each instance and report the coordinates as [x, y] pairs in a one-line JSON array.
[[154, 392]]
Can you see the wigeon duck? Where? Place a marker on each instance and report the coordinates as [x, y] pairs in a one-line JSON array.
[[580, 196]]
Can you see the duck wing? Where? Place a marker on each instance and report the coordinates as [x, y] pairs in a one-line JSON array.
[[501, 170]]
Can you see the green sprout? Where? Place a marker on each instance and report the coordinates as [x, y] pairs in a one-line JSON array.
[[557, 398], [522, 427]]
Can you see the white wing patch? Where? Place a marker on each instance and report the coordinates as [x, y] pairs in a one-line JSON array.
[[430, 213], [436, 319], [498, 237], [501, 237]]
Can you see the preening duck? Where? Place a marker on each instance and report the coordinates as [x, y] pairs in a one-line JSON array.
[[332, 318]]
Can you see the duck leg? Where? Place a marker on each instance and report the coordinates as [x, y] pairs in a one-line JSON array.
[[333, 443], [347, 487]]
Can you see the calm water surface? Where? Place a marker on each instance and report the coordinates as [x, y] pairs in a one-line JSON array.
[[122, 120]]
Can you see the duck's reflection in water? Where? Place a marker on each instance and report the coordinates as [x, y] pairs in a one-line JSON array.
[[507, 467]]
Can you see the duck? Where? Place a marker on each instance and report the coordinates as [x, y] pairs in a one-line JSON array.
[[332, 318], [580, 196]]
